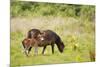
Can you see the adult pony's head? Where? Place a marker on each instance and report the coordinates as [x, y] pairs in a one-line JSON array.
[[60, 46]]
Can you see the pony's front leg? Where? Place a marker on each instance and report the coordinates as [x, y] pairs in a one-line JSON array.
[[52, 48], [43, 49]]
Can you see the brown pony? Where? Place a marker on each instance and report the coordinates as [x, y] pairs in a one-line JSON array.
[[28, 43], [49, 37]]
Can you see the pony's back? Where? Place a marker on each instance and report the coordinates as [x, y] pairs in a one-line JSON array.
[[33, 33], [51, 35]]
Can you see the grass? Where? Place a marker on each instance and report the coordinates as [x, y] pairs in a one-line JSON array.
[[73, 32]]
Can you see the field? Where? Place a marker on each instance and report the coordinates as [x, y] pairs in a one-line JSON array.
[[75, 24], [73, 32]]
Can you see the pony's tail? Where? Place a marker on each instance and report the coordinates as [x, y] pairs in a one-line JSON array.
[[29, 35]]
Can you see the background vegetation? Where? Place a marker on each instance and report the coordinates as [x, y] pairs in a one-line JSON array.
[[75, 24], [27, 9]]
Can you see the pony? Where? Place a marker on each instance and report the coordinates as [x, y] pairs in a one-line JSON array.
[[49, 37]]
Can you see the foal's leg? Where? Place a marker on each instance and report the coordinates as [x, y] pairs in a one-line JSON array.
[[29, 50], [43, 49], [26, 51], [52, 48], [24, 46], [35, 50]]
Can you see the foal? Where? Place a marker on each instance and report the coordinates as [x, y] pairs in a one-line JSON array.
[[28, 43]]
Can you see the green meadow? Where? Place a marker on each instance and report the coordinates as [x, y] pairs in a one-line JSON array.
[[75, 24]]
